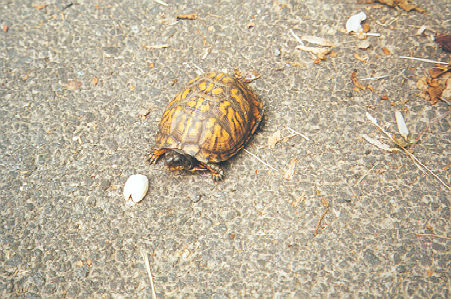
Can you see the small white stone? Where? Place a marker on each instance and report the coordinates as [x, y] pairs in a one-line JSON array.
[[135, 188], [353, 23]]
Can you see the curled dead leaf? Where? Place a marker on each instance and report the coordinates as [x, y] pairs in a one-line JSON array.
[[434, 90], [444, 41]]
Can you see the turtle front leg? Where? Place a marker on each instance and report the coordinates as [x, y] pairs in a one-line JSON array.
[[216, 171], [153, 157]]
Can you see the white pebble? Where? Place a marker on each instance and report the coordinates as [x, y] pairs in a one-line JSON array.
[[353, 23], [135, 188]]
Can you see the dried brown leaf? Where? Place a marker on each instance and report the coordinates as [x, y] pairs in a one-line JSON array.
[[434, 90], [403, 4], [386, 51], [446, 94], [444, 41]]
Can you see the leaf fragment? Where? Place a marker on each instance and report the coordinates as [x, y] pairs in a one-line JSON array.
[[402, 127]]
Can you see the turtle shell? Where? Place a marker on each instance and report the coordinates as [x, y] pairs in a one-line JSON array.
[[211, 119]]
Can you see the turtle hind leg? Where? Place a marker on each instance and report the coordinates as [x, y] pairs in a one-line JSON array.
[[216, 171], [155, 155]]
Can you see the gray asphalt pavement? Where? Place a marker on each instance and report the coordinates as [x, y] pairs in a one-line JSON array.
[[83, 85]]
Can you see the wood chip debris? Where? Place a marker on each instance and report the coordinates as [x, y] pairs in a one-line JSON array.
[[290, 170], [320, 52], [187, 17], [357, 85], [40, 6], [161, 46]]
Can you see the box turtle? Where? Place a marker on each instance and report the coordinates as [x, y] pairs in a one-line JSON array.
[[206, 123]]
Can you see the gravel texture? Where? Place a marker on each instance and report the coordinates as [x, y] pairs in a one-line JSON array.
[[76, 76]]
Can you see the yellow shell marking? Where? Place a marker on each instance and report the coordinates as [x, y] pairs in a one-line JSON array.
[[202, 85], [187, 129], [205, 107], [219, 76], [233, 124], [191, 103], [191, 81], [223, 107], [185, 93], [227, 80], [210, 87], [217, 91], [175, 99]]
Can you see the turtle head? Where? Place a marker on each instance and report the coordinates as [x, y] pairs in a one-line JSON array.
[[178, 161]]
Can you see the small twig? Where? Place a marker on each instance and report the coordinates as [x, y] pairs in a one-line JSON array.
[[253, 155], [432, 235], [319, 221], [372, 34], [296, 132], [375, 78], [161, 2], [363, 176], [422, 59], [146, 261], [156, 46], [297, 38]]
